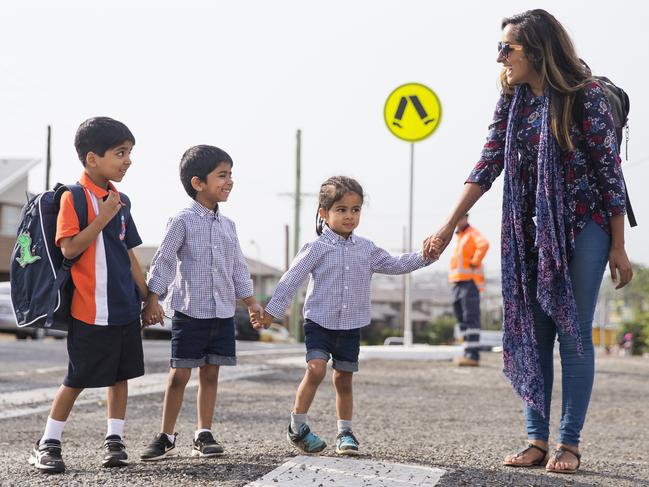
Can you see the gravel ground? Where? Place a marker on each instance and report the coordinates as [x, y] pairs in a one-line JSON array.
[[426, 413]]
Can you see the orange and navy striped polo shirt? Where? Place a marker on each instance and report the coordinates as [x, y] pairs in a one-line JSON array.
[[105, 292]]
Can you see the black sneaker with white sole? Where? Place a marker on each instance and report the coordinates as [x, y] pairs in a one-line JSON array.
[[206, 446], [114, 452], [46, 457], [160, 448]]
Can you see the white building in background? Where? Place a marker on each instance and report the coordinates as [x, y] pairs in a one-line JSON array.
[[13, 196]]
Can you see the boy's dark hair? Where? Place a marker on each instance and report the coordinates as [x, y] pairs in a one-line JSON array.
[[332, 190], [99, 134], [199, 161]]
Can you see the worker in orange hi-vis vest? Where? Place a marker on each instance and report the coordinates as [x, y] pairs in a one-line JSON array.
[[468, 280]]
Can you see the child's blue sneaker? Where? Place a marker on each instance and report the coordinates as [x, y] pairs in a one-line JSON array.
[[305, 441], [346, 443]]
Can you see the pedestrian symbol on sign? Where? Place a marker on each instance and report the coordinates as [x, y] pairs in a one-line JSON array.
[[412, 112], [421, 111]]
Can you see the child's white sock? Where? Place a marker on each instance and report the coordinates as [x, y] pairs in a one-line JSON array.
[[115, 427], [344, 424], [53, 430], [297, 420], [199, 431]]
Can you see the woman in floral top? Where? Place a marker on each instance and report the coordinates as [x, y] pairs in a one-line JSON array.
[[562, 221]]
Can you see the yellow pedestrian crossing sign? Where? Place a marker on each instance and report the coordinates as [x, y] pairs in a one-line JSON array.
[[412, 112]]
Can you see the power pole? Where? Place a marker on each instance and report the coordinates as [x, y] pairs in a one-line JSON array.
[[294, 321], [48, 164], [287, 252]]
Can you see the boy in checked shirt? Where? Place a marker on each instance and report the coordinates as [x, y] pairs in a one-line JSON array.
[[200, 270]]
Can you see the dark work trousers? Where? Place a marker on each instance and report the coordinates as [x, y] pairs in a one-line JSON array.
[[466, 304]]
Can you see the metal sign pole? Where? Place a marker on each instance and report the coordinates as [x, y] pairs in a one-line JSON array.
[[407, 319], [412, 113]]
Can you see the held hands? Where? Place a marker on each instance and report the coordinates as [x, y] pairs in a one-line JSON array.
[[266, 320], [435, 244], [110, 207], [618, 262], [152, 313], [257, 316]]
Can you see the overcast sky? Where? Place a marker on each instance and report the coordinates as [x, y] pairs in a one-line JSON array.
[[245, 75]]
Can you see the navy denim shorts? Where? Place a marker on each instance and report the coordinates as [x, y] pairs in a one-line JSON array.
[[197, 342], [341, 345]]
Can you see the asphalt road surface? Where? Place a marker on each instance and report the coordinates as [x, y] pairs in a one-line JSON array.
[[425, 413]]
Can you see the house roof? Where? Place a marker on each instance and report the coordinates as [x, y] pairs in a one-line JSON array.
[[12, 170], [259, 268]]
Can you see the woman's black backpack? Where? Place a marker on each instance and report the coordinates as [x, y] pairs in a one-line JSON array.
[[620, 106]]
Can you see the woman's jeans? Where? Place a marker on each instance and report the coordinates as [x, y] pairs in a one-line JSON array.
[[577, 372]]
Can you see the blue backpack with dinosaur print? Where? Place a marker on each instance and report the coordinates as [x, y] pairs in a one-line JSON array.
[[41, 288]]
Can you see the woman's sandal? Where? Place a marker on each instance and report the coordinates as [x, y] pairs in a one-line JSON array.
[[556, 456], [537, 463]]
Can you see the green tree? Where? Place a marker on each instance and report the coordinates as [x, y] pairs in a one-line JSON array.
[[438, 332]]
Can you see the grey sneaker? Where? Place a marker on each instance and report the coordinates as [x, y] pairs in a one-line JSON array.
[[306, 441], [159, 448], [115, 452], [346, 443], [206, 446], [46, 457]]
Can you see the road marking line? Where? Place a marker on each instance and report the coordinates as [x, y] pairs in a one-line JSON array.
[[45, 370], [305, 470], [290, 361], [261, 351], [244, 353], [22, 403]]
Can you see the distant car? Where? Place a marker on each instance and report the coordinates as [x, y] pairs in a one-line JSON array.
[[393, 341], [8, 320], [158, 331], [243, 329]]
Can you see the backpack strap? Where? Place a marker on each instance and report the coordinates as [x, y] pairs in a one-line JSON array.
[[80, 204], [63, 273], [629, 209]]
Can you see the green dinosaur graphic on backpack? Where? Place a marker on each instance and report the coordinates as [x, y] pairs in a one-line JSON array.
[[25, 258]]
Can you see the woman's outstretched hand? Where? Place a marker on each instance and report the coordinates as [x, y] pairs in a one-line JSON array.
[[435, 244], [619, 264]]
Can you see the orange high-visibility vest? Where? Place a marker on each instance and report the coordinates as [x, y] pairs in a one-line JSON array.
[[466, 262]]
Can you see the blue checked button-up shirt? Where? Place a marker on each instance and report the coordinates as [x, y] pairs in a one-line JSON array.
[[199, 268], [339, 271]]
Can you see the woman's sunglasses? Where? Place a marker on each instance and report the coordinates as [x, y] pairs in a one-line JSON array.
[[504, 48]]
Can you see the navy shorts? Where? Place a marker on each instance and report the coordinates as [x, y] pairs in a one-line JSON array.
[[196, 342], [341, 345], [100, 356]]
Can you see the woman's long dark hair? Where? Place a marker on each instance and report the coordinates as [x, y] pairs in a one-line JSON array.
[[332, 190], [548, 47]]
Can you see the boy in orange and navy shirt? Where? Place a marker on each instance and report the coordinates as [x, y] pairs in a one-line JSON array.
[[104, 343]]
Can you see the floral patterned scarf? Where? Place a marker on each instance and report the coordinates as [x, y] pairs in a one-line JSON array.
[[553, 284]]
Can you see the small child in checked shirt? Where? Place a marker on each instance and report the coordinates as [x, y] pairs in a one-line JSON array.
[[339, 265], [199, 266]]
